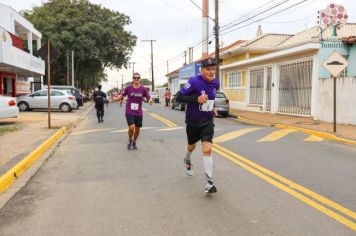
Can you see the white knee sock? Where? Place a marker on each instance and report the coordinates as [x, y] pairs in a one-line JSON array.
[[208, 167], [187, 154]]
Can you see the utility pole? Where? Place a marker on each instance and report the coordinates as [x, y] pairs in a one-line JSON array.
[[185, 57], [122, 81], [73, 68], [153, 81], [67, 55], [217, 46], [133, 66]]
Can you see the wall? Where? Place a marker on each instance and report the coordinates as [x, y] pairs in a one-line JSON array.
[[345, 102]]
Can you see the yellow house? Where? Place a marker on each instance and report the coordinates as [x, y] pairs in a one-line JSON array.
[[234, 79]]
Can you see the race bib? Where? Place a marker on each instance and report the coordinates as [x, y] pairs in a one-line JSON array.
[[208, 106], [134, 106]]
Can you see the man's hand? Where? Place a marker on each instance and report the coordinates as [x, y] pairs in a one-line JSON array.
[[202, 98], [150, 102]]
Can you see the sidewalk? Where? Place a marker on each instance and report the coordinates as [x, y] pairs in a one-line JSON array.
[[33, 131], [343, 131]]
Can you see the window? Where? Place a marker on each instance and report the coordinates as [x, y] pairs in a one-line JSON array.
[[234, 79], [56, 93]]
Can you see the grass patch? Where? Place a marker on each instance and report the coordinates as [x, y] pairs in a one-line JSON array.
[[8, 128]]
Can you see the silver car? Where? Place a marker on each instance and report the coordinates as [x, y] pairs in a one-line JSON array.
[[60, 99], [222, 104]]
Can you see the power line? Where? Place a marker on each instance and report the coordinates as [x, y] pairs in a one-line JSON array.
[[257, 14], [289, 7]]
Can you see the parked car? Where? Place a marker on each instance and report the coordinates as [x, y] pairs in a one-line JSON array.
[[8, 108], [60, 99], [222, 104], [76, 92], [174, 103], [154, 96]]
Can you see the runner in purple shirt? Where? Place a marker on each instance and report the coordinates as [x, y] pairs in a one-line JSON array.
[[199, 94], [133, 111]]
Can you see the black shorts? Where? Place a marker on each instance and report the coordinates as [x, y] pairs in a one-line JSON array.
[[137, 120], [203, 133]]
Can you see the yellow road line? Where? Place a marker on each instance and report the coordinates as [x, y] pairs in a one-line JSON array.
[[89, 131], [10, 176], [313, 138], [234, 134], [276, 135], [289, 183], [290, 191], [125, 130], [164, 120], [170, 129]]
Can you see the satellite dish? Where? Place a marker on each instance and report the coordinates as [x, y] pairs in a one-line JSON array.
[[333, 14]]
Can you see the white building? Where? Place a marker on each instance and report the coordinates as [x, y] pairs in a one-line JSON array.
[[18, 41]]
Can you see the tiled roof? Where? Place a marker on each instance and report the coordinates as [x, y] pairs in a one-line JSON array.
[[266, 41], [313, 34]]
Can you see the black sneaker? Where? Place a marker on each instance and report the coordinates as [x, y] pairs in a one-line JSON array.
[[188, 166], [129, 145], [99, 121], [134, 146], [210, 187], [102, 120]]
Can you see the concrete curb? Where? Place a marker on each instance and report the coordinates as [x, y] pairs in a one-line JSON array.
[[10, 176], [307, 131]]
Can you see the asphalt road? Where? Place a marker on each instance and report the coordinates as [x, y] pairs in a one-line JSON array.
[[92, 185]]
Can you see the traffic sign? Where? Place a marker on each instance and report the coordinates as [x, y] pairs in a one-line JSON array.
[[335, 63]]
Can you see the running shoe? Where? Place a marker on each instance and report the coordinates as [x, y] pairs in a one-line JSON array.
[[188, 166], [134, 145], [129, 145], [210, 187]]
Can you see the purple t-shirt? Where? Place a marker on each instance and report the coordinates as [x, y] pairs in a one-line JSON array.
[[197, 86], [134, 99]]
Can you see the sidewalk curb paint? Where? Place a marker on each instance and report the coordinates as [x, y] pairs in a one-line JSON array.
[[317, 133], [10, 176]]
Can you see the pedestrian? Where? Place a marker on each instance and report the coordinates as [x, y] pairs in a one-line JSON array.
[[99, 99], [199, 94], [135, 94], [167, 96]]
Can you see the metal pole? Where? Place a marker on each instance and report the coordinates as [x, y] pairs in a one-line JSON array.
[[49, 82], [73, 68], [67, 57], [217, 46], [122, 81], [153, 80], [334, 104]]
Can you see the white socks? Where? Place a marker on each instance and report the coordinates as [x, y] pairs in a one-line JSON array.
[[187, 154], [208, 167]]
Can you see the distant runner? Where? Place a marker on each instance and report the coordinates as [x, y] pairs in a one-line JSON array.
[[135, 94], [199, 94], [99, 99]]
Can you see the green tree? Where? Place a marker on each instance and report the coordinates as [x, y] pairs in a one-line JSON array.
[[145, 82], [96, 35]]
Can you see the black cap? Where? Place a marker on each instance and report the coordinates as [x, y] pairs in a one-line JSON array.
[[209, 62]]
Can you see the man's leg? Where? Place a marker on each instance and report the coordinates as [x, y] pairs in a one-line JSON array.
[[97, 112], [208, 166], [102, 113], [131, 131]]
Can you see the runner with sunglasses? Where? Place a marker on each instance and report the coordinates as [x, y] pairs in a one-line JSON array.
[[135, 94]]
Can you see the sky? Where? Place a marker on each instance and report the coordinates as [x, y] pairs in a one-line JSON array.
[[176, 25]]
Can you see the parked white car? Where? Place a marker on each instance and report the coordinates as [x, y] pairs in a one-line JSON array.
[[8, 108], [62, 100]]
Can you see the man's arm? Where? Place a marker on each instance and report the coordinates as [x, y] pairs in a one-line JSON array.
[[187, 98]]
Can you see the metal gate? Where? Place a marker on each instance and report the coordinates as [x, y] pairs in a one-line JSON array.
[[256, 86], [295, 86], [269, 89]]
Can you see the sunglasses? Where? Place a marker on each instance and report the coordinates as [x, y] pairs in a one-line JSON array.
[[135, 77]]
